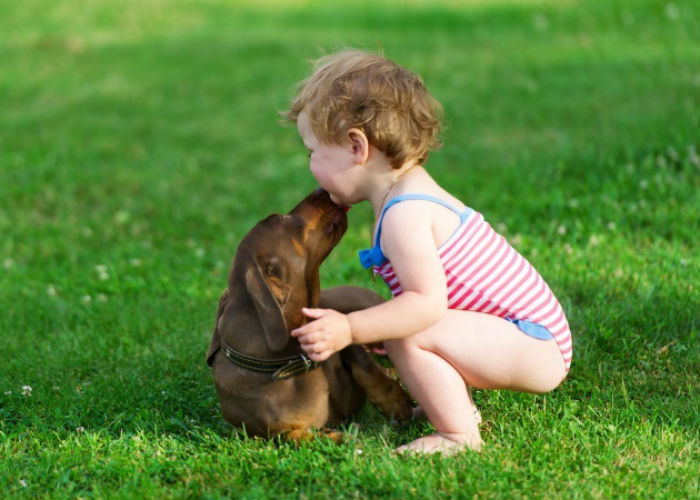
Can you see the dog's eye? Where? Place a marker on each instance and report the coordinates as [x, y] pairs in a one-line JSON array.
[[274, 269], [333, 225], [330, 227]]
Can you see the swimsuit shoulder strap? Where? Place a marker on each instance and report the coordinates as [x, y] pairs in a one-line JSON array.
[[420, 197], [374, 256]]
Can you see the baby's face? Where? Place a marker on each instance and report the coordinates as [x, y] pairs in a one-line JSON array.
[[330, 164]]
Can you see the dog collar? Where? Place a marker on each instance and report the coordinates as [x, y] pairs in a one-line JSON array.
[[279, 368]]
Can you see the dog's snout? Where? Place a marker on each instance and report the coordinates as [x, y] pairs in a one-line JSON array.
[[322, 194], [336, 222]]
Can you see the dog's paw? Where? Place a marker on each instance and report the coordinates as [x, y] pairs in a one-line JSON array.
[[396, 404], [298, 436]]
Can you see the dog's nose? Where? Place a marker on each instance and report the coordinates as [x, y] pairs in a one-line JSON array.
[[321, 192]]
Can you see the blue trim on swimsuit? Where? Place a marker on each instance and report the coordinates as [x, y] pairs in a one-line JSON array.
[[374, 256], [534, 330]]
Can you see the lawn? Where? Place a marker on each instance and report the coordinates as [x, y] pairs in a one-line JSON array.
[[139, 141]]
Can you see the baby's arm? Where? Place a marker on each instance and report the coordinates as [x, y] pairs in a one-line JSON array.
[[407, 241]]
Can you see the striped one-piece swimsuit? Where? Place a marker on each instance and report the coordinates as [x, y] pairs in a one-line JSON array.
[[485, 274]]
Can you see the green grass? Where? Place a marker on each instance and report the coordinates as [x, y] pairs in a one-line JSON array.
[[139, 142]]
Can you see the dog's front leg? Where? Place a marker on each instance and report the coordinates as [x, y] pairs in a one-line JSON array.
[[381, 389]]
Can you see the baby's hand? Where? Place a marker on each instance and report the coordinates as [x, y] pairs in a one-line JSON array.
[[327, 334]]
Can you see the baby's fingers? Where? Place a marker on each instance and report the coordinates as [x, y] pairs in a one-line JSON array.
[[312, 313], [303, 331], [314, 347], [310, 338], [320, 356]]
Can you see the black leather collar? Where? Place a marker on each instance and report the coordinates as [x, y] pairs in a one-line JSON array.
[[278, 368]]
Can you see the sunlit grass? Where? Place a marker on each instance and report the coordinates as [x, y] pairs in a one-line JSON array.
[[139, 141]]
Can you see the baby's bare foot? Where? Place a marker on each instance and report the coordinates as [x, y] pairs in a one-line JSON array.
[[447, 443]]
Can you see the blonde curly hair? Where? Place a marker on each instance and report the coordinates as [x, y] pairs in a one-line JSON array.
[[356, 89]]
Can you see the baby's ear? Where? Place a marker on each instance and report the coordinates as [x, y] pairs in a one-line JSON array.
[[359, 145]]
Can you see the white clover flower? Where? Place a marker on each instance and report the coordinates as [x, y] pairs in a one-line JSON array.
[[135, 262], [611, 225], [23, 483], [101, 297], [80, 429], [561, 230], [7, 393], [593, 241], [502, 228], [86, 299], [26, 390], [102, 273], [671, 11], [122, 217], [8, 263], [540, 22], [51, 291]]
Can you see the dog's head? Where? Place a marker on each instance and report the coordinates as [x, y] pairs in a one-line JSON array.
[[279, 259]]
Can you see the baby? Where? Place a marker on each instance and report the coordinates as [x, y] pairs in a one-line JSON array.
[[467, 310]]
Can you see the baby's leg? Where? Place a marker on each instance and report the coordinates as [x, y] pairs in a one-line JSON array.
[[442, 394], [469, 349]]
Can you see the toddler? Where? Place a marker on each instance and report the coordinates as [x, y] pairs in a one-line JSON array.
[[467, 310]]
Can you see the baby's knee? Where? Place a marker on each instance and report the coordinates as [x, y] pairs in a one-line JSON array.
[[397, 347], [400, 347]]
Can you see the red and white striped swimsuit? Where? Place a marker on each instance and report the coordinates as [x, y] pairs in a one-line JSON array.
[[485, 274]]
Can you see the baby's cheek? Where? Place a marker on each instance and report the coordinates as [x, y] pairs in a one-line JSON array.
[[321, 178], [314, 171]]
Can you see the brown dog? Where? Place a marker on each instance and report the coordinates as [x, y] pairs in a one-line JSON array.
[[263, 379]]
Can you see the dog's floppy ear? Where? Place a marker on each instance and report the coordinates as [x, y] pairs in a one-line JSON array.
[[267, 299], [215, 339]]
